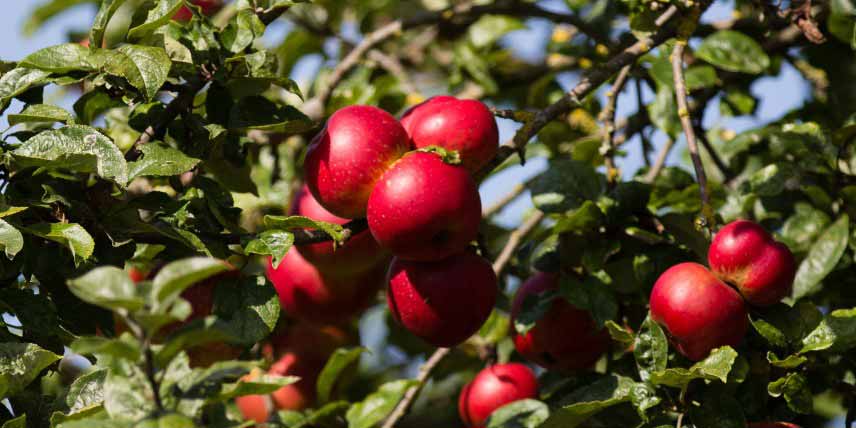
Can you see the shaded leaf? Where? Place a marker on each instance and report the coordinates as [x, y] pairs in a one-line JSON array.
[[733, 51], [20, 364], [340, 365], [41, 113], [108, 287], [822, 258], [377, 405], [716, 366], [71, 235], [160, 161]]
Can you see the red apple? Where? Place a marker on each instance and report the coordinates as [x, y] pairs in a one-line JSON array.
[[255, 408], [209, 7], [443, 302], [307, 294], [698, 311], [466, 126], [424, 209], [347, 158], [359, 254], [301, 394], [565, 338], [493, 388], [744, 254], [772, 425]]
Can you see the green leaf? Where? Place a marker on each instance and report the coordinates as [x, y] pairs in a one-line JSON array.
[[179, 275], [771, 180], [87, 391], [378, 405], [45, 11], [11, 239], [490, 28], [822, 258], [158, 16], [250, 309], [592, 295], [275, 243], [791, 362], [108, 287], [769, 332], [242, 30], [102, 18], [41, 113], [77, 148], [794, 387], [18, 81], [124, 346], [71, 235], [566, 185], [733, 51], [19, 422], [62, 59], [300, 222], [587, 218], [257, 112], [265, 384], [341, 365], [94, 103], [160, 161], [836, 332], [144, 67], [20, 364], [589, 400], [127, 394], [664, 112], [650, 349], [526, 413], [619, 334], [716, 366], [532, 309]]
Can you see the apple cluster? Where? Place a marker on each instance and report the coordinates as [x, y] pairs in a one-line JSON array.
[[702, 309], [413, 182]]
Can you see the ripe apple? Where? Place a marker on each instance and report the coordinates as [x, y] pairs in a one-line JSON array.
[[209, 7], [255, 408], [772, 425], [745, 255], [307, 294], [565, 338], [424, 209], [698, 311], [359, 254], [493, 388], [347, 158], [443, 302], [301, 394], [466, 126]]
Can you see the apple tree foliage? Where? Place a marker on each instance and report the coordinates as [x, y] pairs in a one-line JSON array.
[[183, 143]]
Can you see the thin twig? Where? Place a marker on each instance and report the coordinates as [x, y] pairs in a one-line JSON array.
[[520, 116], [505, 200], [640, 106], [464, 12], [723, 168], [410, 395], [182, 102], [686, 124], [660, 162], [514, 241], [393, 66], [607, 116], [589, 83]]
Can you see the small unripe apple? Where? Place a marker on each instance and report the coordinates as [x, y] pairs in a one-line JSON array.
[[443, 302], [209, 7], [772, 425], [744, 254], [255, 408], [301, 394], [307, 294], [698, 311], [493, 388], [466, 126], [348, 157], [565, 338], [424, 209], [359, 254]]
